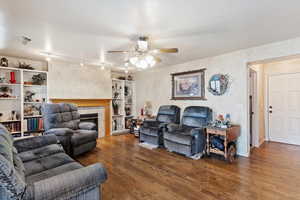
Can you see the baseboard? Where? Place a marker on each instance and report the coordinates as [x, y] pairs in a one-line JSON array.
[[244, 154], [261, 142]]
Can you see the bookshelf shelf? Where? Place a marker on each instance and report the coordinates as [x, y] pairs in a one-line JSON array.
[[33, 116], [27, 125], [10, 84], [9, 121], [8, 98], [28, 85]]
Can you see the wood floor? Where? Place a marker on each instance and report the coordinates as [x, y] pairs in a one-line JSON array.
[[272, 172]]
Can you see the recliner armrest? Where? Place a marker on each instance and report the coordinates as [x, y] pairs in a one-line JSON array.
[[173, 127], [87, 126], [59, 132], [34, 142], [150, 123], [196, 131], [67, 185]]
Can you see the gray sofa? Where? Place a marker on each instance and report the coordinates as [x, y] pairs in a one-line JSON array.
[[189, 137], [38, 169], [151, 130], [63, 120]]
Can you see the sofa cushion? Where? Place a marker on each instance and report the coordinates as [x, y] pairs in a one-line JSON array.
[[35, 142], [178, 137], [53, 172], [83, 136], [46, 163], [152, 131], [12, 183], [41, 152]]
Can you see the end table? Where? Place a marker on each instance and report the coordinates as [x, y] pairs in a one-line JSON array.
[[229, 135]]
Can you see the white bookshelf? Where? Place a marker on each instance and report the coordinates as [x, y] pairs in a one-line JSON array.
[[17, 103], [119, 118]]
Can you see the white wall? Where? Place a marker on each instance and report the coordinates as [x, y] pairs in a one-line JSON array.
[[72, 81], [155, 85]]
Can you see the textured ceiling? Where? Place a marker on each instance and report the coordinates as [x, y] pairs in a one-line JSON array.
[[81, 29]]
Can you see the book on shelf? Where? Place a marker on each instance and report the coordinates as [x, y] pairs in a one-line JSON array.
[[13, 127], [33, 124]]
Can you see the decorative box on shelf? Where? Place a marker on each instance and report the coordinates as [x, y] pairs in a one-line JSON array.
[[222, 141]]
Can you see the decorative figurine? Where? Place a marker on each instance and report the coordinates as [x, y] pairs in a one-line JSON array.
[[3, 62], [2, 78], [38, 79], [25, 66], [28, 96], [12, 78], [5, 92], [13, 115], [148, 108]]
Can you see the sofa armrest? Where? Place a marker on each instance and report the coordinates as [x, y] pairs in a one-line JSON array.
[[173, 127], [67, 185], [35, 142], [87, 126], [59, 132]]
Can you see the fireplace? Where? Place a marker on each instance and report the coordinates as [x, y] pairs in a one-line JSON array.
[[92, 117]]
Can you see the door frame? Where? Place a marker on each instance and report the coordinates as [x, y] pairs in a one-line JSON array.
[[255, 109]]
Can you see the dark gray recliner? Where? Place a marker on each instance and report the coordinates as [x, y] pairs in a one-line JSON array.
[[151, 130], [188, 138], [63, 120]]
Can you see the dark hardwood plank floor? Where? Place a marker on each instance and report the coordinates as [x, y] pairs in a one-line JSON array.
[[272, 172]]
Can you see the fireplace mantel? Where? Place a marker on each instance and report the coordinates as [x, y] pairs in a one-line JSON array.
[[91, 103]]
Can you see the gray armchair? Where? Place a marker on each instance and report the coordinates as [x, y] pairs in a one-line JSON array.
[[63, 120], [189, 137], [151, 130], [37, 168]]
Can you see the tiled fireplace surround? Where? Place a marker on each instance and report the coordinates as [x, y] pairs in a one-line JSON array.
[[93, 106]]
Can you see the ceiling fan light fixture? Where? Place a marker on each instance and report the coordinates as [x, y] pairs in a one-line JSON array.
[[134, 60]]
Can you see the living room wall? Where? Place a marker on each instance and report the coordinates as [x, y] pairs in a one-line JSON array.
[[155, 85], [71, 81]]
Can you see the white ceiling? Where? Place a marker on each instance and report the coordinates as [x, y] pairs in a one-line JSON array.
[[82, 29]]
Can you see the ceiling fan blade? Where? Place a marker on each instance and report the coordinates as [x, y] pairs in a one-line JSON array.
[[170, 50], [117, 51]]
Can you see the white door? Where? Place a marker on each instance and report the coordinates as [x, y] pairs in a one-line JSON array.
[[284, 108]]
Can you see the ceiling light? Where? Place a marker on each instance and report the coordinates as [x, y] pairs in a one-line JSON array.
[[81, 64], [142, 61], [48, 59], [133, 60]]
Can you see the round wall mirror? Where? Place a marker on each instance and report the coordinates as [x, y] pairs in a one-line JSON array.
[[218, 84]]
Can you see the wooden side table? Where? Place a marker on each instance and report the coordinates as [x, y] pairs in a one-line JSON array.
[[230, 136]]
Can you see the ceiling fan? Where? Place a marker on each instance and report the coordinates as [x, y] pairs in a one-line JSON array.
[[142, 56]]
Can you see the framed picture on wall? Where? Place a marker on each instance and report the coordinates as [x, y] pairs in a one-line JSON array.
[[189, 85]]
